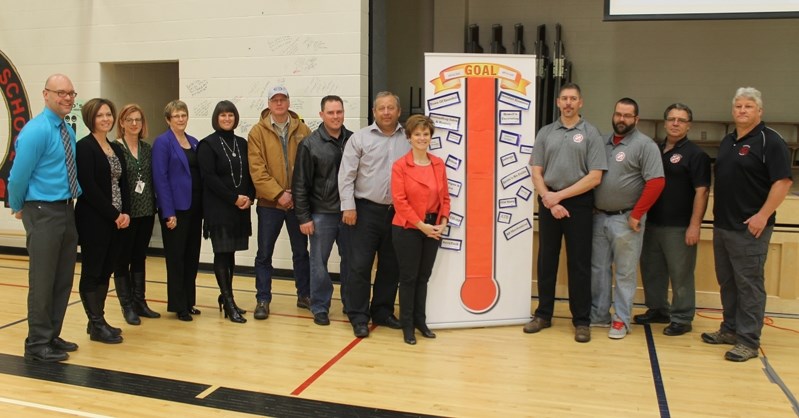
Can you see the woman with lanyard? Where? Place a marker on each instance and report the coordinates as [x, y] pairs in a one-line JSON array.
[[227, 197], [129, 276]]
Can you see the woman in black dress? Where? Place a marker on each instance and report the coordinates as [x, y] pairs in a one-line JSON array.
[[227, 197], [100, 214]]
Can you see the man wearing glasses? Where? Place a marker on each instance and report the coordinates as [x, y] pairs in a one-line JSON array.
[[42, 187], [272, 148], [630, 187], [672, 230]]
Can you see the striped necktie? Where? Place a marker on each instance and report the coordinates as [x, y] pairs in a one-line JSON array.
[[70, 160]]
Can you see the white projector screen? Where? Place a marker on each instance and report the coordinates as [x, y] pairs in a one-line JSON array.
[[700, 9]]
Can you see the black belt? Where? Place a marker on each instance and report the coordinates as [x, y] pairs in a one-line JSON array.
[[614, 212], [54, 202], [370, 203]]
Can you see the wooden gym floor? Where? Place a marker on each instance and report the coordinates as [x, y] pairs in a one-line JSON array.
[[286, 366]]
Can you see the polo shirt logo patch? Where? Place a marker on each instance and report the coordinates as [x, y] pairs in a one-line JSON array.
[[620, 156], [744, 150], [675, 158], [577, 138]]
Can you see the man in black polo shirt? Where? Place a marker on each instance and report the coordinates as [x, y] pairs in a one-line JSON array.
[[672, 230], [753, 176]]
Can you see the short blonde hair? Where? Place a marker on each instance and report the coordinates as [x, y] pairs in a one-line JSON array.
[[174, 106]]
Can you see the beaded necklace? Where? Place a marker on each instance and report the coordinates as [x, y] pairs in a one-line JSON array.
[[236, 153]]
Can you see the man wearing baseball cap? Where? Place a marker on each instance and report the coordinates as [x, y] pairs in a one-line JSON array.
[[272, 148]]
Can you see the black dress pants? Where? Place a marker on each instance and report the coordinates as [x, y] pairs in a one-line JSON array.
[[371, 235], [182, 252], [578, 232]]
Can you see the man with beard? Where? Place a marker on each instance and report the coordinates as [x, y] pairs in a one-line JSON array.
[[672, 230], [630, 187], [567, 163], [753, 176], [364, 181]]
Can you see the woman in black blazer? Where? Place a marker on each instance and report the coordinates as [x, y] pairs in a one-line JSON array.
[[101, 212], [228, 193]]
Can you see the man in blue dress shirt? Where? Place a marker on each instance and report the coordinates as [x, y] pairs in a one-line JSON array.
[[42, 187]]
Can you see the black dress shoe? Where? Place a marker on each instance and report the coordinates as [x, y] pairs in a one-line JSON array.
[[360, 329], [60, 344], [676, 328], [408, 337], [194, 311], [185, 316], [652, 316], [47, 354], [390, 321], [321, 318], [426, 331]]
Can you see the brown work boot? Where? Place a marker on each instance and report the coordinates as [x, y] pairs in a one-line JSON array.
[[582, 333], [537, 324], [719, 337]]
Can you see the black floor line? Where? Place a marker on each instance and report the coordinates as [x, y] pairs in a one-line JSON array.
[[657, 378], [171, 390]]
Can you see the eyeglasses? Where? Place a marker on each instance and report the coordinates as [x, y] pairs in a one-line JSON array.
[[63, 94], [678, 120], [133, 120], [623, 116], [179, 116]]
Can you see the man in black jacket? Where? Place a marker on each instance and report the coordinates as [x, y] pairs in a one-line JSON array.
[[317, 203]]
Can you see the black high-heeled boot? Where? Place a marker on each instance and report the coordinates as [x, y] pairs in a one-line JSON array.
[[420, 310], [230, 284], [425, 331], [226, 298]]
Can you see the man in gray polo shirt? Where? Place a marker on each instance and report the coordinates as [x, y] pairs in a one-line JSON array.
[[630, 187], [567, 163]]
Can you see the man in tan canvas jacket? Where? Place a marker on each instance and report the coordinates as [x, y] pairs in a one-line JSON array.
[[272, 147]]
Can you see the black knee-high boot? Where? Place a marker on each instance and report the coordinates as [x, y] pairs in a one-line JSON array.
[[122, 284], [139, 302], [98, 329], [232, 259], [222, 274]]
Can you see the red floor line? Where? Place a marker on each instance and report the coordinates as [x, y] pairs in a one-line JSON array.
[[308, 382]]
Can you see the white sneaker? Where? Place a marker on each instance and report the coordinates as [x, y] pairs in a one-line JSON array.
[[618, 330]]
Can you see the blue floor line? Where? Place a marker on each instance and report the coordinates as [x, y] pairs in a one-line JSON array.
[[657, 378]]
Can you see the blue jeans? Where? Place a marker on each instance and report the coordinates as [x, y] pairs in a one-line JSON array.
[[614, 244], [328, 228], [270, 222]]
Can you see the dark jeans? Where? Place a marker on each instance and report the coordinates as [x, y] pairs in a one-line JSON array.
[[664, 257], [133, 248], [328, 229], [182, 252], [371, 235], [270, 222], [740, 262], [578, 232], [416, 255], [52, 242]]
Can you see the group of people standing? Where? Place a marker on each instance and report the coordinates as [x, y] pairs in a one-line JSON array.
[[599, 193], [329, 185]]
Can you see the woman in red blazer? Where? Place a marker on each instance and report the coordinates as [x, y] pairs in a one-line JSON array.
[[421, 202]]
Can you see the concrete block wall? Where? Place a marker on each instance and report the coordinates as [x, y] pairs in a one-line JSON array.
[[223, 50]]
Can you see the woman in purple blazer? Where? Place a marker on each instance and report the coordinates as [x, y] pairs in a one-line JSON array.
[[178, 194]]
